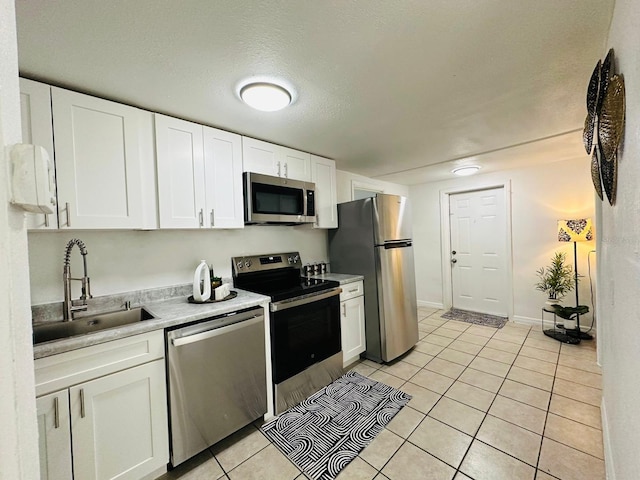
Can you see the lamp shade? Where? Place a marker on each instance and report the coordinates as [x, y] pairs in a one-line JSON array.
[[578, 230]]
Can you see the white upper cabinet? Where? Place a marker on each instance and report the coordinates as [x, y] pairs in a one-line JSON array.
[[98, 161], [295, 164], [270, 159], [37, 128], [199, 175], [223, 178], [180, 164], [323, 174]]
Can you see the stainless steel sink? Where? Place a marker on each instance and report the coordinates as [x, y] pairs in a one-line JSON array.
[[89, 324]]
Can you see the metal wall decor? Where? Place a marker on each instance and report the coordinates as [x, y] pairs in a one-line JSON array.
[[604, 126]]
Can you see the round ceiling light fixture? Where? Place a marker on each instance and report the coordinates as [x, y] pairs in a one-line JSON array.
[[264, 96], [466, 170]]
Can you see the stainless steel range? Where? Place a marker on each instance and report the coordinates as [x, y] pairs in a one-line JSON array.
[[306, 351]]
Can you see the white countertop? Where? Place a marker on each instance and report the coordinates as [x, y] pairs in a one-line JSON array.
[[168, 313], [343, 278]]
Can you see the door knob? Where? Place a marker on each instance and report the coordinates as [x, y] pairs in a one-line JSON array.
[[453, 252], [453, 260]]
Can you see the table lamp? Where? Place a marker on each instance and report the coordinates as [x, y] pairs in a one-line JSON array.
[[578, 230]]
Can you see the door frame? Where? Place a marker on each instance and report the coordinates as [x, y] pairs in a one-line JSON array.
[[445, 242]]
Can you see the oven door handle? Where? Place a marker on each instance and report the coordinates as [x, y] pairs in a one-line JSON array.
[[286, 304]]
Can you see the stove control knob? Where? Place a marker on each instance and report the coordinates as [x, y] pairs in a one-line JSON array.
[[247, 263], [296, 258], [291, 260], [239, 264]]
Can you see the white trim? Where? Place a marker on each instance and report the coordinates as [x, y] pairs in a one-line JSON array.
[[424, 303], [536, 322], [606, 440], [370, 187], [445, 239]]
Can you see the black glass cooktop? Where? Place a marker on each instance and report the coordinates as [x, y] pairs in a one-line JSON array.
[[282, 284]]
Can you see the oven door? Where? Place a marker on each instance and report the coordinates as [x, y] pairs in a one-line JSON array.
[[304, 331]]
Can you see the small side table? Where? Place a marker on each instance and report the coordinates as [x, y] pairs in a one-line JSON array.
[[558, 332]]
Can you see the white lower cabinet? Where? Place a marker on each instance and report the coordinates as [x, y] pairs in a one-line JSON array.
[[352, 322], [113, 426], [54, 436]]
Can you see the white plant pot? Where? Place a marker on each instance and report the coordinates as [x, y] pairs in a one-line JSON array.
[[569, 324]]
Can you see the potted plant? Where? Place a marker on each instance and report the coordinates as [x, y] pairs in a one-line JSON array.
[[557, 279]]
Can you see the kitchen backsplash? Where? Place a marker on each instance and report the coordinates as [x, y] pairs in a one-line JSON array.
[[127, 261]]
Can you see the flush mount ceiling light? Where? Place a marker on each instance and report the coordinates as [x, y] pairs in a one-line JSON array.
[[464, 171], [267, 97]]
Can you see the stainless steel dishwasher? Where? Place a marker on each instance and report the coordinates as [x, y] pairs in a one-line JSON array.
[[216, 380]]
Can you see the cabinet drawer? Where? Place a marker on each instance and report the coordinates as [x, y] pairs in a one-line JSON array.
[[352, 290], [69, 368]]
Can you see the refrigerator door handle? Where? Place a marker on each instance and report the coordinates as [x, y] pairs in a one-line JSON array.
[[399, 244]]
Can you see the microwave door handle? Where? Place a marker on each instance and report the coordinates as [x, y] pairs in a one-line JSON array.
[[287, 304]]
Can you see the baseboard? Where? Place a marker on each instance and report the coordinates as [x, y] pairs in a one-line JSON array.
[[531, 321], [424, 303], [606, 440], [543, 324]]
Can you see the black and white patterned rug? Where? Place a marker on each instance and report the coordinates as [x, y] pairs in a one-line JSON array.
[[475, 318], [322, 434]]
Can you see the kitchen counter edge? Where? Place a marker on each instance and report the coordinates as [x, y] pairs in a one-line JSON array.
[[168, 313], [342, 278]]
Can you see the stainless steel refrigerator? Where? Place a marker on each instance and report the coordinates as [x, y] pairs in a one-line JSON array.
[[373, 239]]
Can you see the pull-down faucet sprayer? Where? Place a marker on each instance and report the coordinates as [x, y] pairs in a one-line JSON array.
[[69, 308]]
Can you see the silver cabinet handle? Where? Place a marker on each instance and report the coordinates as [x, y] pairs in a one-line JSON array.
[[212, 218], [56, 413], [201, 217], [286, 170], [68, 214], [278, 168], [344, 309], [353, 290], [82, 412], [46, 224]]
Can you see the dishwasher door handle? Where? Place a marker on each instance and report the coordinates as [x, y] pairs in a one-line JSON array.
[[216, 331]]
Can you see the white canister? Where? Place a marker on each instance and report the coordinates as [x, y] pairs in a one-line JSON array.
[[202, 283]]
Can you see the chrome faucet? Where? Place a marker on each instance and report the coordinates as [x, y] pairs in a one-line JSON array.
[[69, 307]]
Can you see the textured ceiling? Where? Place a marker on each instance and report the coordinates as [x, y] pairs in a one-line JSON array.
[[398, 90]]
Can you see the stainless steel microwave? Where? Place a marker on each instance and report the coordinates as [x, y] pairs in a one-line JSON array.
[[277, 200]]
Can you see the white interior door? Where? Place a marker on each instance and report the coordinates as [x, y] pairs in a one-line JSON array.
[[479, 251]]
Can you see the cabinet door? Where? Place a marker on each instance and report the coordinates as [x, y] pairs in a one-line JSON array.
[[323, 174], [352, 325], [260, 157], [54, 436], [223, 174], [180, 158], [119, 424], [37, 128], [295, 164], [97, 161]]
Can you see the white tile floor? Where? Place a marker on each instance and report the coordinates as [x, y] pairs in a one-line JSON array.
[[487, 404]]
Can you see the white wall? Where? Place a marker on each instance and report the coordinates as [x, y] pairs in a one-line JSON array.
[[18, 440], [619, 260], [135, 260], [540, 196], [344, 182]]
